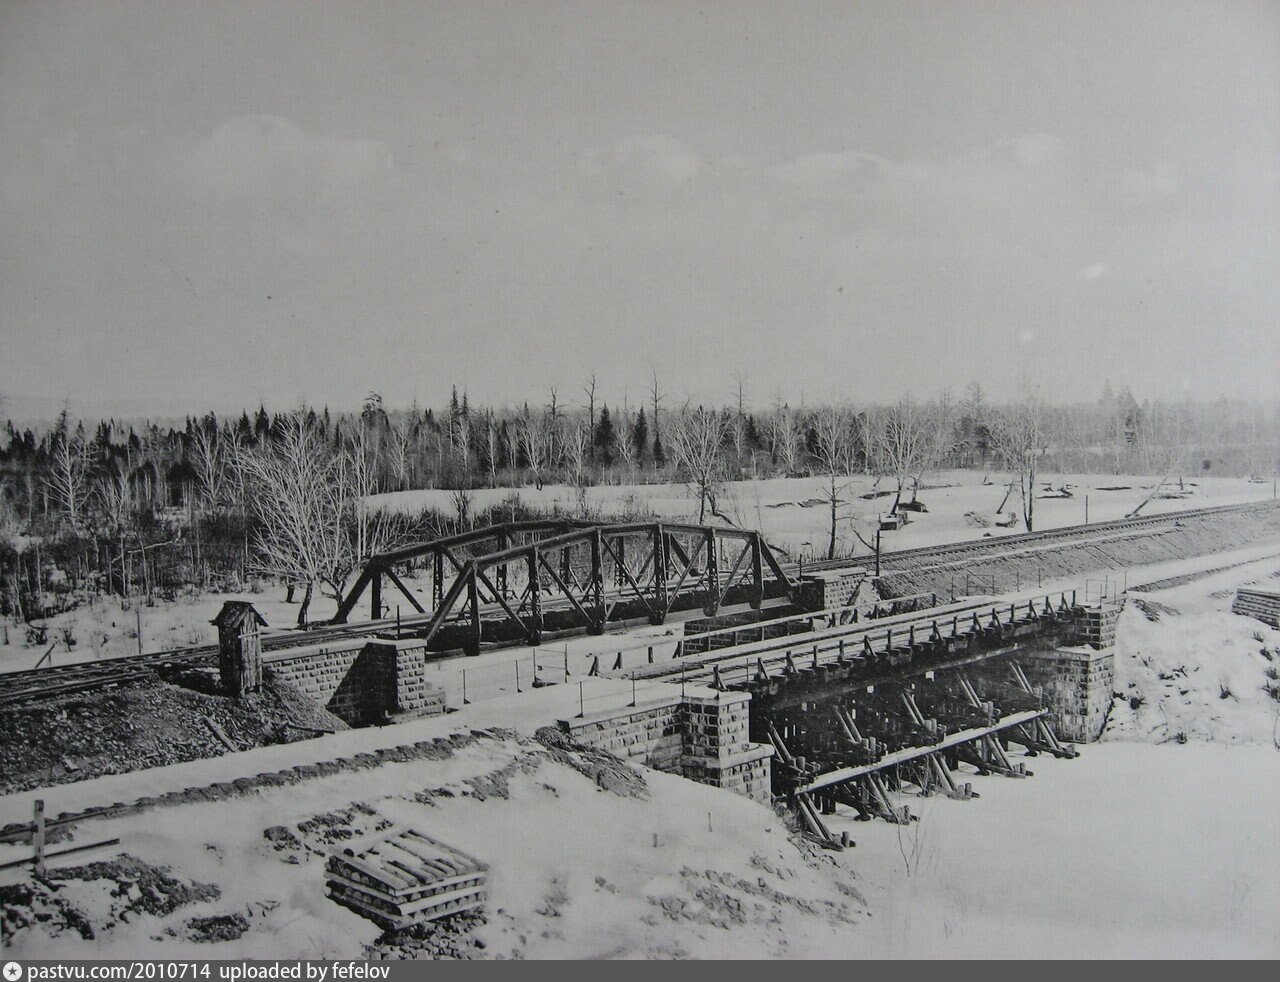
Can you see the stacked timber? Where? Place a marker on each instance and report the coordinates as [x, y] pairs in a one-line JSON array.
[[403, 877], [1262, 605]]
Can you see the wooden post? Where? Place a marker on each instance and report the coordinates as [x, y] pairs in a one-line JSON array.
[[37, 837], [239, 648]]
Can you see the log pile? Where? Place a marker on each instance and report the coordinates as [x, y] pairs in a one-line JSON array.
[[1262, 605], [402, 878]]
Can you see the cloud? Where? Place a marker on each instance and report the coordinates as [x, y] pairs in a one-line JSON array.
[[1094, 272], [257, 153]]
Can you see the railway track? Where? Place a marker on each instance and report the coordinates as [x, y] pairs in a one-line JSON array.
[[31, 684]]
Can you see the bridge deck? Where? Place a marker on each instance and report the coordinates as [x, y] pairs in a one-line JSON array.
[[740, 665]]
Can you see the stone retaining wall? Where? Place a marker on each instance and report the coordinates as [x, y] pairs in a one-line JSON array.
[[361, 682], [700, 736]]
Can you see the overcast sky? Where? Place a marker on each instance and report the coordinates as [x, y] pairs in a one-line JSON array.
[[218, 202]]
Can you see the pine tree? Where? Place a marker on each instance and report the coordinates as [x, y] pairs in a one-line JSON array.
[[604, 437], [640, 434]]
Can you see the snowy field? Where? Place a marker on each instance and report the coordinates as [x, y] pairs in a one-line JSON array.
[[1130, 851], [794, 514], [1157, 842]]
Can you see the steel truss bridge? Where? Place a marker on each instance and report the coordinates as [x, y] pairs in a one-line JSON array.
[[517, 581]]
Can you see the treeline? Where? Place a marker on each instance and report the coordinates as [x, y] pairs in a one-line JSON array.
[[147, 510]]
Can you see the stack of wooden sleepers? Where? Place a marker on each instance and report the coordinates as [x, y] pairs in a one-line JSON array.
[[1262, 605], [403, 877]]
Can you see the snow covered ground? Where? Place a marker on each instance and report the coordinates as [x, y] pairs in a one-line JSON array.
[[794, 515], [1130, 851], [1159, 841]]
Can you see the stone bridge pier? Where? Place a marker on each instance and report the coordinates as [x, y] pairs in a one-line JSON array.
[[1077, 679]]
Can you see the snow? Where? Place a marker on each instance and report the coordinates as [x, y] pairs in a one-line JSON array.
[[787, 510], [576, 871], [794, 515], [1198, 672], [1130, 851]]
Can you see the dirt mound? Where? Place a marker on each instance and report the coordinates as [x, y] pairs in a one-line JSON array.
[[88, 900], [150, 724], [609, 773]]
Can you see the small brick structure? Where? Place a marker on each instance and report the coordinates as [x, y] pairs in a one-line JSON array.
[[1078, 678], [701, 735], [400, 878], [836, 588], [1096, 626], [1261, 605]]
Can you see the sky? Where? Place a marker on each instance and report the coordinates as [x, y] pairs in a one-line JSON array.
[[214, 203]]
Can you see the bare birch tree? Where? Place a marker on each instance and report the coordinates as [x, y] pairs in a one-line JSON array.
[[695, 440], [906, 444], [67, 476], [534, 434], [834, 427], [1018, 437]]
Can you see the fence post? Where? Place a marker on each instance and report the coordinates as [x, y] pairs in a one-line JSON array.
[[582, 705], [37, 837]]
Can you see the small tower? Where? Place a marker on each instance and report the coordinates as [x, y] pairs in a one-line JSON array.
[[239, 647]]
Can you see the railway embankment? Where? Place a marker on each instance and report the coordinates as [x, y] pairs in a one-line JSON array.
[[1024, 562]]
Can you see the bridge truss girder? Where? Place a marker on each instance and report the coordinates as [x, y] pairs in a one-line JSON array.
[[585, 567]]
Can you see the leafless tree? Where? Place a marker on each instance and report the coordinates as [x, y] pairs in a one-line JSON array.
[[870, 425], [695, 440], [1018, 437], [623, 444], [833, 426], [114, 495], [67, 476], [906, 443], [575, 448], [534, 432], [590, 391], [784, 438], [315, 524], [294, 491], [212, 456]]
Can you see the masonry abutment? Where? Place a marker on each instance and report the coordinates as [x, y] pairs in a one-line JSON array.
[[1078, 679]]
